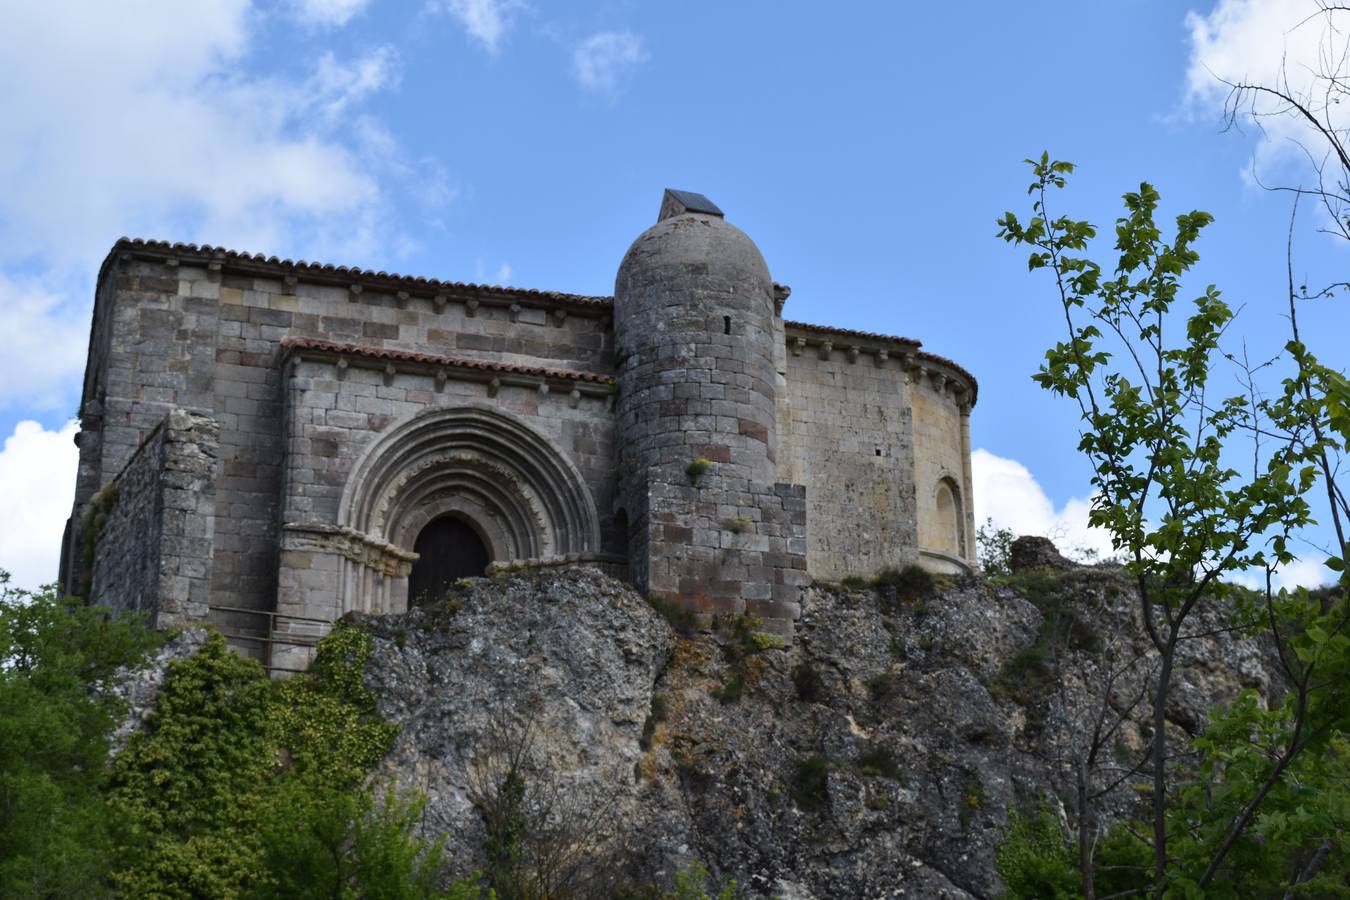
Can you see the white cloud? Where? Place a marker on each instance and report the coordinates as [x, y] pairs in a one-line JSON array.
[[37, 488], [335, 13], [1266, 42], [486, 21], [501, 276], [1304, 573], [602, 59], [44, 346], [340, 84], [148, 118], [147, 121], [1007, 492]]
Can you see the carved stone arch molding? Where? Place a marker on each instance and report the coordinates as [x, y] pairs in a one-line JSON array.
[[521, 495]]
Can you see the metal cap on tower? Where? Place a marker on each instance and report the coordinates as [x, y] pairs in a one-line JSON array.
[[677, 203]]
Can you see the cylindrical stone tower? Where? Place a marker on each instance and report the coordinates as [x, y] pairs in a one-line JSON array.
[[694, 329]]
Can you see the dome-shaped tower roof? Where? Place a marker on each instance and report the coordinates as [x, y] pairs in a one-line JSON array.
[[691, 239]]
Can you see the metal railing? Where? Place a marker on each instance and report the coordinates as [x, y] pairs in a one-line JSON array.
[[265, 644]]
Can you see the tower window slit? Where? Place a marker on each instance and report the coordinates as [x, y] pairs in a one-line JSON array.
[[726, 324]]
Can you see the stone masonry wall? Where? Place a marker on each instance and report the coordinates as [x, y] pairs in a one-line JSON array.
[[849, 434], [190, 328], [334, 414], [153, 525], [694, 316], [941, 454]]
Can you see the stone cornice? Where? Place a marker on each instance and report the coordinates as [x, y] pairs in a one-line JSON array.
[[944, 375], [349, 543]]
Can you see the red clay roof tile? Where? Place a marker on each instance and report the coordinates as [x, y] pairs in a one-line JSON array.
[[449, 362]]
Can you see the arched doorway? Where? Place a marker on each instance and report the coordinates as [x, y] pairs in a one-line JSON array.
[[448, 549]]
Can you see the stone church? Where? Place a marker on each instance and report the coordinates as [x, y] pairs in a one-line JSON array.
[[268, 444]]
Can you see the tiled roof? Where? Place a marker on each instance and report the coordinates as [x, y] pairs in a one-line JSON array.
[[329, 272], [449, 362], [849, 332], [942, 360]]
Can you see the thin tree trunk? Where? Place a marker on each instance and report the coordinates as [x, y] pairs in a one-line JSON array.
[[1085, 830], [1160, 764]]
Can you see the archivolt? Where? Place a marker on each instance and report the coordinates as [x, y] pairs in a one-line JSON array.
[[523, 497]]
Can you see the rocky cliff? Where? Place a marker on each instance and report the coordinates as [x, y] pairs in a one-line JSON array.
[[876, 756]]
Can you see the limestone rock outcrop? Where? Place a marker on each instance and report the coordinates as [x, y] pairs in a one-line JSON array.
[[877, 755]]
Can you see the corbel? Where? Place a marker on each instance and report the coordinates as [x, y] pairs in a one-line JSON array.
[[559, 317], [389, 373], [798, 345], [881, 357], [354, 292], [471, 308], [401, 299], [439, 301], [494, 386], [574, 398], [441, 377], [826, 347], [515, 312], [853, 353], [342, 366]]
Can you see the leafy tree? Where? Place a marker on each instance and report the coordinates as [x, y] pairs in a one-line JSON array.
[[994, 546], [1138, 363], [56, 656]]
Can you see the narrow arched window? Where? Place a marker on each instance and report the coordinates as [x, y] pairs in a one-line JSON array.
[[948, 518]]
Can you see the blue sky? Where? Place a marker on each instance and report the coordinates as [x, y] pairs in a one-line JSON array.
[[867, 148]]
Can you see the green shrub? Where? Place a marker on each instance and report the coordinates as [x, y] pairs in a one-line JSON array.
[[691, 883], [740, 524], [1034, 859], [878, 760], [808, 682], [764, 640], [670, 609], [882, 686], [810, 783], [732, 691], [243, 787], [1122, 864], [910, 583], [696, 469]]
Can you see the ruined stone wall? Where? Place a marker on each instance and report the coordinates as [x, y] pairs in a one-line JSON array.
[[153, 525], [849, 431]]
